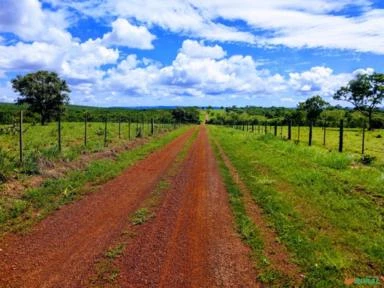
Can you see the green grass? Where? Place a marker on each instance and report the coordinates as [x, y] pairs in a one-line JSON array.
[[374, 140], [114, 252], [327, 209], [36, 203], [141, 216], [40, 142], [248, 230]]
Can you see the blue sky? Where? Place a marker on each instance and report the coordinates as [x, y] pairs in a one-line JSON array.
[[192, 52]]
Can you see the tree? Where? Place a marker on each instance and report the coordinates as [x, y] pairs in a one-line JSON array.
[[186, 115], [365, 93], [313, 106], [43, 91]]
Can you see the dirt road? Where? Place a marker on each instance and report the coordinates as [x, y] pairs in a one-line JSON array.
[[191, 242]]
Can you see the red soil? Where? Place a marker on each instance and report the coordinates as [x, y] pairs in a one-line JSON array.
[[190, 243], [62, 248]]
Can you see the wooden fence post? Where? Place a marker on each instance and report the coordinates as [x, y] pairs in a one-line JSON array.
[[138, 132], [129, 129], [105, 131], [298, 133], [324, 133], [152, 127], [363, 140], [290, 130], [341, 136], [143, 126], [21, 137], [310, 133], [59, 131], [119, 127], [85, 129]]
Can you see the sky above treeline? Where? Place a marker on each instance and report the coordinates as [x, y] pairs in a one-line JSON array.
[[192, 52]]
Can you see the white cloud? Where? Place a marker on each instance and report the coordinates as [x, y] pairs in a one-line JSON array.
[[125, 34], [368, 71], [215, 74], [80, 61], [190, 76], [202, 68], [321, 80], [295, 23], [27, 20], [199, 71], [195, 49], [178, 16], [22, 57]]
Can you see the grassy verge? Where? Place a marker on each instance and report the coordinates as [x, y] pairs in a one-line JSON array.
[[325, 208], [248, 230], [36, 203]]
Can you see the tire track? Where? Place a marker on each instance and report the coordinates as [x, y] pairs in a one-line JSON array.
[[191, 242]]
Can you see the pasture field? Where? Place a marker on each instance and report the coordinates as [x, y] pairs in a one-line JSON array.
[[327, 208], [374, 140], [42, 141]]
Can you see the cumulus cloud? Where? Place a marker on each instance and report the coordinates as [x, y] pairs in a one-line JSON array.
[[27, 20], [102, 68], [296, 23], [195, 49], [320, 80], [125, 34], [201, 73], [77, 61], [178, 16]]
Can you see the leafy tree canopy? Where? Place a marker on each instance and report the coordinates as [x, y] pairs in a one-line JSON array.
[[43, 91], [313, 106], [365, 93]]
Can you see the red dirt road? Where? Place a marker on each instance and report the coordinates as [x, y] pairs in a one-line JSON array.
[[190, 243]]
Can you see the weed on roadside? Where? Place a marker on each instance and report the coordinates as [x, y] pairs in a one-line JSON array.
[[141, 216]]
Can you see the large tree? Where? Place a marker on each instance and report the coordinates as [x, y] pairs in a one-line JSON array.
[[313, 106], [365, 93], [43, 91]]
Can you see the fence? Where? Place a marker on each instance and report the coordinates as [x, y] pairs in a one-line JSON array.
[[354, 140], [21, 143]]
